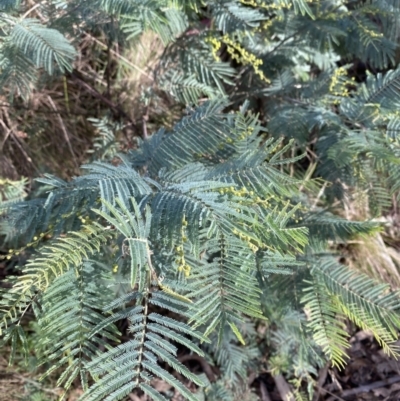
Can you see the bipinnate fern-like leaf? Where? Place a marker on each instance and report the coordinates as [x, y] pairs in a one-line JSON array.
[[114, 182], [328, 332], [231, 16], [185, 143], [53, 261], [122, 6], [9, 5], [192, 231], [186, 89], [381, 90], [167, 20], [105, 145], [70, 309], [12, 191], [28, 45], [324, 225], [199, 67], [233, 357], [135, 231], [18, 73], [133, 364], [364, 300], [227, 287], [45, 47], [336, 291], [69, 204]]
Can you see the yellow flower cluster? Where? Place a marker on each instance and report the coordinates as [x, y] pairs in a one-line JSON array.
[[370, 32], [170, 291], [241, 55], [246, 133], [186, 269], [264, 26], [265, 6], [180, 261], [251, 198], [243, 135], [336, 85], [84, 219], [215, 47], [231, 190], [249, 240], [339, 85], [11, 253], [15, 252]]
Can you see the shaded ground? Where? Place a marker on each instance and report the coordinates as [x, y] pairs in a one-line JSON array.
[[370, 375]]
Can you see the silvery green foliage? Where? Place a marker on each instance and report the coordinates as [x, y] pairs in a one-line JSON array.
[[203, 222], [185, 240]]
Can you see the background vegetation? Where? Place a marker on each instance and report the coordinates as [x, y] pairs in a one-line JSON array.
[[296, 104]]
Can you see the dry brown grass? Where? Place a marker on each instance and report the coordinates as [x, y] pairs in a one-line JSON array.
[[50, 132], [377, 255], [375, 258], [16, 383]]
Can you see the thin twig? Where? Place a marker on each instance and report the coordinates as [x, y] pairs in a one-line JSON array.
[[134, 397], [320, 193], [282, 42], [144, 122], [36, 384], [32, 8], [125, 60], [337, 398], [366, 388], [264, 392], [310, 171], [107, 71], [102, 98], [19, 145], [283, 388], [204, 364], [64, 130], [323, 373], [92, 75], [94, 92], [6, 135], [20, 107]]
